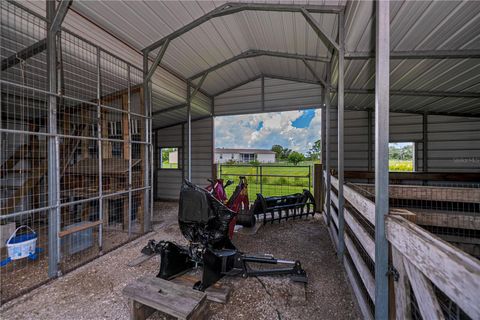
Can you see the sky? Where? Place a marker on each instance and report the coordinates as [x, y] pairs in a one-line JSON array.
[[297, 130]]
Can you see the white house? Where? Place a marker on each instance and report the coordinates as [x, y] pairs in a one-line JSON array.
[[223, 155]]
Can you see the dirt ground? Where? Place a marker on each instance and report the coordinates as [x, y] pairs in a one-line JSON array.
[[94, 291]]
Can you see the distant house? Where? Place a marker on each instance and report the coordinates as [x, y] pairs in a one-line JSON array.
[[223, 155]]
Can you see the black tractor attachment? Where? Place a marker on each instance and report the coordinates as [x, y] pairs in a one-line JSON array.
[[204, 221], [284, 207]]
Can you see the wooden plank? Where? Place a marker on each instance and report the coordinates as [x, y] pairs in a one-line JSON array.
[[78, 228], [450, 219], [166, 296], [454, 272], [402, 288], [363, 236], [430, 176], [216, 293], [318, 185], [362, 204], [367, 278], [361, 299], [424, 293], [411, 192], [139, 311], [331, 231]]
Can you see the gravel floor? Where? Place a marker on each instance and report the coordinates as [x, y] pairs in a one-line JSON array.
[[94, 290]]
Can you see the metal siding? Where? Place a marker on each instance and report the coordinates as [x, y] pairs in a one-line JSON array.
[[168, 181], [202, 150], [244, 99], [453, 151]]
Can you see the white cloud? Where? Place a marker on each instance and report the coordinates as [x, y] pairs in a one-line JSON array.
[[241, 131]]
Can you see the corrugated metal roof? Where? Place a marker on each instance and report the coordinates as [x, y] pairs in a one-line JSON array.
[[415, 25]]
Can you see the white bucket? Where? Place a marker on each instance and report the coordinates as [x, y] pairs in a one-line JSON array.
[[22, 246]]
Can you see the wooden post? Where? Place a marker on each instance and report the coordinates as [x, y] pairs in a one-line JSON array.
[[318, 185]]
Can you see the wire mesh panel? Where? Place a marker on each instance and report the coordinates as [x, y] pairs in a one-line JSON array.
[[23, 43], [98, 142]]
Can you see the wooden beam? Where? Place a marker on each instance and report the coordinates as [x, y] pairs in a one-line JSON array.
[[365, 239], [418, 176], [79, 228], [454, 272], [432, 193], [361, 299], [363, 271], [426, 299], [402, 288], [362, 204]]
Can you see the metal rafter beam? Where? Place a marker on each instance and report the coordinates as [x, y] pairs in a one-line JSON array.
[[231, 8], [257, 53], [326, 39], [312, 71], [169, 109], [180, 123], [237, 85], [419, 54], [414, 93], [24, 54], [199, 85], [157, 60], [60, 14]]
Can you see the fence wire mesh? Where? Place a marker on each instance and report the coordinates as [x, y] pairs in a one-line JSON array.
[[269, 180], [101, 147]]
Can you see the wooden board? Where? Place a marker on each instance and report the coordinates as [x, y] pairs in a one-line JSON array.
[[216, 293], [449, 219], [453, 271], [165, 296]]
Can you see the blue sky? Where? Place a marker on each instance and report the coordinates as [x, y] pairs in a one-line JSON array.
[[297, 130]]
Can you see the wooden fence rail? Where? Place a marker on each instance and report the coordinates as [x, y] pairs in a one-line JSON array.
[[421, 261]]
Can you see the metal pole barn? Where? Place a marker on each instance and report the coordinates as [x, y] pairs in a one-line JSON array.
[[341, 109], [382, 87]]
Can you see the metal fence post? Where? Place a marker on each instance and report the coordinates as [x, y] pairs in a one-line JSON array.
[[309, 177], [261, 179]]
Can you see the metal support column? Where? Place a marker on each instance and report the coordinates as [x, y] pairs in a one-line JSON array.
[[130, 145], [341, 108], [53, 154], [425, 143], [147, 95], [328, 155], [189, 123], [100, 151], [382, 87], [369, 140], [263, 93]]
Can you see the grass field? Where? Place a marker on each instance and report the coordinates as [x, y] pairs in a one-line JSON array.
[[400, 165], [270, 180]]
